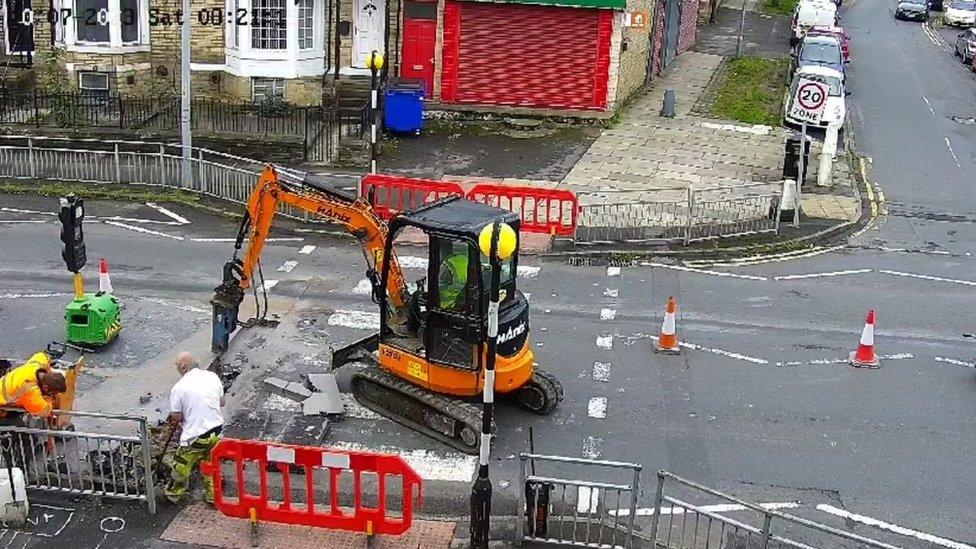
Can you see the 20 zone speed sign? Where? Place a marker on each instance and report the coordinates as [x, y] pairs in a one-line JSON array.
[[808, 103]]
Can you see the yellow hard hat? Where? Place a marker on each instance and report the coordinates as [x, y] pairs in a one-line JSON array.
[[507, 240]]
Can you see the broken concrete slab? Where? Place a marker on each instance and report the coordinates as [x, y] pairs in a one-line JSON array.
[[321, 404], [288, 389]]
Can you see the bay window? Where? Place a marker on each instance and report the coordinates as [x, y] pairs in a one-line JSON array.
[[276, 39]]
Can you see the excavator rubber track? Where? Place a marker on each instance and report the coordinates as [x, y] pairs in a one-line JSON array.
[[451, 421], [548, 387]]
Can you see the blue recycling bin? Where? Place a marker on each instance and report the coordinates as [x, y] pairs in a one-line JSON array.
[[404, 110]]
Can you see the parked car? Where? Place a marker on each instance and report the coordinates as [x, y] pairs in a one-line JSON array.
[[824, 51], [811, 13], [917, 10], [960, 13], [836, 32], [835, 111], [966, 45]]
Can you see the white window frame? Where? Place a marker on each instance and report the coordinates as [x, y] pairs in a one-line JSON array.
[[115, 43], [288, 30], [290, 62], [275, 81], [108, 84], [306, 33]]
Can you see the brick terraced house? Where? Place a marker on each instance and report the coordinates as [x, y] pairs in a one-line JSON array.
[[582, 56]]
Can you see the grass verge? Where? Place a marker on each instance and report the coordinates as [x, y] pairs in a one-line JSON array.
[[752, 91], [102, 192], [779, 7]]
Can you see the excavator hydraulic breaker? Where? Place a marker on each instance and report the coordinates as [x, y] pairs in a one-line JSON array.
[[226, 304]]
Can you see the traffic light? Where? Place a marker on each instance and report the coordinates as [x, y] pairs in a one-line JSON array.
[[71, 215]]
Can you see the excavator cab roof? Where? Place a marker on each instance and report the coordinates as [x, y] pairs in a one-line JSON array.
[[456, 216]]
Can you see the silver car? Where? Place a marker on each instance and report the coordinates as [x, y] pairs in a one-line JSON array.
[[966, 45]]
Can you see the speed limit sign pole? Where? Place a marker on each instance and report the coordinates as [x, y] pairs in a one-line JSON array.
[[799, 175]]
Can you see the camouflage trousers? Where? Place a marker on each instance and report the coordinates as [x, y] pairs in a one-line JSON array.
[[185, 460]]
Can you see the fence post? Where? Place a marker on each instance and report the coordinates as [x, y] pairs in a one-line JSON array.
[[37, 111], [521, 514], [305, 142], [162, 153], [121, 113], [118, 166], [147, 467], [31, 168], [765, 530], [691, 214], [635, 489], [658, 497]]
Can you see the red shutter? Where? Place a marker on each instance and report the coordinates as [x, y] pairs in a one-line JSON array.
[[526, 55]]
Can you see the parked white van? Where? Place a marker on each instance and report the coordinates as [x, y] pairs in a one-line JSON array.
[[810, 13]]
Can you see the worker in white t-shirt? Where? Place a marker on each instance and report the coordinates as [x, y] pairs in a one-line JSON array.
[[195, 402]]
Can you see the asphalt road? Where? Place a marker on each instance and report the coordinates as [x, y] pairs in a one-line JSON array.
[[760, 404]]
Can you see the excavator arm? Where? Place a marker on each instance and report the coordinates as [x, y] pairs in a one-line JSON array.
[[356, 215]]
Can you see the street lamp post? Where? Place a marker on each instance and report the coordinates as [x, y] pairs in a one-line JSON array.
[[376, 62], [498, 242], [187, 179]]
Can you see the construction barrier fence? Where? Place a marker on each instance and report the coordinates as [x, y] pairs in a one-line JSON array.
[[319, 487]]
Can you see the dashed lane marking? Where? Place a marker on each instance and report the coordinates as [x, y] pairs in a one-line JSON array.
[[169, 213], [597, 408], [357, 320], [953, 153], [702, 271], [31, 296], [430, 465], [943, 359], [143, 231], [307, 249], [6, 221], [720, 352], [927, 277], [613, 271], [592, 447], [411, 262], [268, 284], [604, 341], [601, 371], [611, 292], [167, 303], [608, 314], [901, 530], [822, 275], [287, 266], [718, 508]]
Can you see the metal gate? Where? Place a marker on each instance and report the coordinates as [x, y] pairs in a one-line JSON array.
[[580, 511], [672, 30]]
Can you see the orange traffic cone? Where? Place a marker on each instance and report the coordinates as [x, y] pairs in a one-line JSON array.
[[668, 340], [865, 357], [104, 282]]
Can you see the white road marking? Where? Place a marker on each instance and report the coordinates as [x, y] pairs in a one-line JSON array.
[[901, 530], [720, 352], [307, 249], [141, 230], [770, 258], [446, 466], [31, 296], [169, 213], [718, 508], [526, 271], [613, 271], [287, 266], [954, 361], [821, 275], [357, 320], [592, 447], [22, 211], [702, 271], [286, 239], [268, 284], [597, 408], [604, 342], [587, 499], [363, 287], [411, 262], [611, 292], [931, 110], [167, 303], [825, 361], [927, 277], [22, 221], [608, 314], [601, 371], [952, 152]]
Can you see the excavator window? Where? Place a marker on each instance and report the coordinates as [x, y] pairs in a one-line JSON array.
[[453, 325]]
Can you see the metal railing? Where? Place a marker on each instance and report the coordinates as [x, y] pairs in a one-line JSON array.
[[84, 463], [678, 524], [679, 214], [576, 512], [216, 174]]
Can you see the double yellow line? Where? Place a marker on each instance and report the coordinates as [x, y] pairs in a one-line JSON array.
[[878, 207]]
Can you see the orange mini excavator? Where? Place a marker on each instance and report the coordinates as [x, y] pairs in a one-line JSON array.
[[426, 363]]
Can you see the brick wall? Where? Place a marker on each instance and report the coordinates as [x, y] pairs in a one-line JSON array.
[[633, 62], [304, 91]]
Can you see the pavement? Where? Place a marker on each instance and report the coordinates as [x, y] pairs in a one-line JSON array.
[[762, 37]]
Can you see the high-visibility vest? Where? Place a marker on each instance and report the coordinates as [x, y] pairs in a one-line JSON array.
[[19, 387], [457, 264]]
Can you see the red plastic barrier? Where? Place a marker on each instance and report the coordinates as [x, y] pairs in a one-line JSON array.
[[394, 194], [312, 463], [548, 211]]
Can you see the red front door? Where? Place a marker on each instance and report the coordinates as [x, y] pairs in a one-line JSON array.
[[419, 41]]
